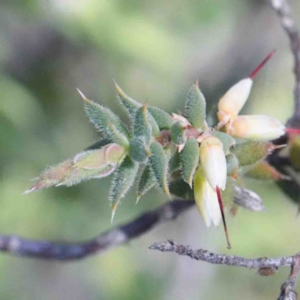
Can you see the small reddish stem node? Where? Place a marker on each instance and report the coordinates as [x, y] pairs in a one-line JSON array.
[[223, 216], [260, 66]]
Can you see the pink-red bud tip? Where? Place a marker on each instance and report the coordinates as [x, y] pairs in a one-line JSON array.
[[223, 216], [292, 130], [260, 66]]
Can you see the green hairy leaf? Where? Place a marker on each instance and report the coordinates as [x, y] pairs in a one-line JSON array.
[[227, 140], [250, 152], [146, 183], [141, 126], [178, 133], [122, 181], [189, 157], [264, 171], [159, 164], [154, 127], [174, 162], [163, 119], [117, 137], [138, 150], [129, 105], [181, 189], [102, 117], [195, 107], [232, 164]]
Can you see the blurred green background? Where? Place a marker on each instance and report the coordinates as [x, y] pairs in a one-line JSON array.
[[155, 50]]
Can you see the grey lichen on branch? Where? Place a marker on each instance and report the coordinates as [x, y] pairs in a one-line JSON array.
[[284, 13], [266, 265], [223, 259], [287, 288]]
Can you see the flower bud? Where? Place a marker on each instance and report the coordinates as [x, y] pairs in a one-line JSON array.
[[94, 159], [213, 161], [234, 99], [206, 199], [257, 127]]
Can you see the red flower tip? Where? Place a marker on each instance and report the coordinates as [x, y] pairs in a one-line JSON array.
[[260, 66], [223, 216]]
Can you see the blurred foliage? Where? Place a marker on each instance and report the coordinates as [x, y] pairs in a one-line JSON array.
[[155, 50]]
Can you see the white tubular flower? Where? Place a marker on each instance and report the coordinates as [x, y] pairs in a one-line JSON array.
[[206, 199], [234, 99], [213, 161], [257, 127]]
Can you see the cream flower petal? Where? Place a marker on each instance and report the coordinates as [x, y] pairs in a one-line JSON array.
[[257, 127], [213, 161]]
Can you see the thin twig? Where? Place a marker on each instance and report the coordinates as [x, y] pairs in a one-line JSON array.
[[45, 249], [287, 291], [265, 265], [223, 259], [51, 250], [112, 238], [283, 10]]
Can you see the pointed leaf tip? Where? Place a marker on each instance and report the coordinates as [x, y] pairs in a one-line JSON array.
[[128, 104], [138, 197], [52, 176], [113, 212], [84, 98], [101, 117], [31, 189], [118, 88]]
